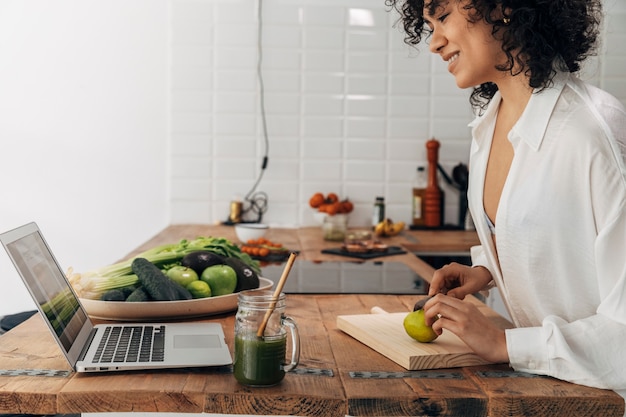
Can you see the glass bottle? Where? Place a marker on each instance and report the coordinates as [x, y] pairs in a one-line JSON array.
[[419, 188], [379, 211]]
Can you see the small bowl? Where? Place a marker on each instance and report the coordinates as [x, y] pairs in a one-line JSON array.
[[250, 231]]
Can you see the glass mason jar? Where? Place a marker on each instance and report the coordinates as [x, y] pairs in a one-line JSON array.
[[335, 227], [261, 360]]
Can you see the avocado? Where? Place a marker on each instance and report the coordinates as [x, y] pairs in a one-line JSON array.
[[247, 279], [201, 260]]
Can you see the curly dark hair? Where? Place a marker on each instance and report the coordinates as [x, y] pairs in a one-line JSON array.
[[538, 38]]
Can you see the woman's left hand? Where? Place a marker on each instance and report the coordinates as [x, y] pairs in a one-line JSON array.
[[467, 322]]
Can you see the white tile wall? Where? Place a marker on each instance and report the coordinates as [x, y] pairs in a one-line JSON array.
[[349, 106]]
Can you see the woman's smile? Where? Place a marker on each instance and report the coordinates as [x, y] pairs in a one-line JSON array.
[[451, 60]]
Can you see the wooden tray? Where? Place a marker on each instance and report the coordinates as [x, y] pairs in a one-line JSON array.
[[391, 250]]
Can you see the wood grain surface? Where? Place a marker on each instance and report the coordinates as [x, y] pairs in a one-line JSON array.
[[486, 390], [494, 390], [385, 334]]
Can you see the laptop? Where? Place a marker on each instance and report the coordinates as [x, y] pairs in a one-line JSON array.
[[106, 347]]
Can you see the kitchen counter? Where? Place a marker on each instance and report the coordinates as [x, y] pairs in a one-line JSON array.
[[324, 384], [308, 242]]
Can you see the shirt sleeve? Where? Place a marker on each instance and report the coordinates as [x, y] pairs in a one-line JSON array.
[[589, 351], [479, 258], [586, 352]]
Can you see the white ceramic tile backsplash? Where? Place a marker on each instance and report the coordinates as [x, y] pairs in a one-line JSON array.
[[348, 106]]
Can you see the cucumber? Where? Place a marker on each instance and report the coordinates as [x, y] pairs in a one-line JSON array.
[[156, 283], [115, 294], [139, 295]]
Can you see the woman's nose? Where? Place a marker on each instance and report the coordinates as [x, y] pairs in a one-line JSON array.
[[437, 42]]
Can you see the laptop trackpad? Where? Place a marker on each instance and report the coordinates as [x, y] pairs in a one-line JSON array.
[[194, 341]]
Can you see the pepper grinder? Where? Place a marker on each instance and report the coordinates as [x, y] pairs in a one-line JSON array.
[[432, 194]]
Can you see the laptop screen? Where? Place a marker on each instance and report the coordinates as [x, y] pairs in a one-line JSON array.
[[48, 286]]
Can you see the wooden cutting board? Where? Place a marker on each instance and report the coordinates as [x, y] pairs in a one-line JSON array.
[[385, 334]]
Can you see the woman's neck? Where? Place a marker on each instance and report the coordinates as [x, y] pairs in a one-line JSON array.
[[515, 93]]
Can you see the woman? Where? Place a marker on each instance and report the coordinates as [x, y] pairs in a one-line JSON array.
[[547, 187]]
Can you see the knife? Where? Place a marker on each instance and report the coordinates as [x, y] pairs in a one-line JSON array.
[[420, 304]]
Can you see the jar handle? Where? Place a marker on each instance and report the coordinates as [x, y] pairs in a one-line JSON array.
[[295, 343]]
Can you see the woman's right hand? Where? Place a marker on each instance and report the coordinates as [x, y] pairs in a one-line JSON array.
[[458, 280]]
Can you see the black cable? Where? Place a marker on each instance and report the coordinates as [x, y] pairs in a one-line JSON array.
[[258, 201], [259, 71]]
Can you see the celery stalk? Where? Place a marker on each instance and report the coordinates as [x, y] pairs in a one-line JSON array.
[[94, 283]]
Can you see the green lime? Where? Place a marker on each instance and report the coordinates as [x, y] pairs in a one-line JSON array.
[[221, 278], [415, 326], [199, 289]]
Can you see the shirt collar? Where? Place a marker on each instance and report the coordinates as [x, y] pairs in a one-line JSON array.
[[481, 124], [532, 125]]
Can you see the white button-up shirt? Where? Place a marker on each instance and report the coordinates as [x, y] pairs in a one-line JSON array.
[[560, 230]]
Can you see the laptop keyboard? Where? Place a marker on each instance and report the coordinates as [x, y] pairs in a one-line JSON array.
[[132, 344]]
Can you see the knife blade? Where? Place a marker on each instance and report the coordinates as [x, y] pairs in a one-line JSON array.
[[420, 303]]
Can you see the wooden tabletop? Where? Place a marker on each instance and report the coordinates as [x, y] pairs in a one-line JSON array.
[[323, 384]]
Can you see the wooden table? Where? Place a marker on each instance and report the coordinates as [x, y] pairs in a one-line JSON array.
[[324, 386]]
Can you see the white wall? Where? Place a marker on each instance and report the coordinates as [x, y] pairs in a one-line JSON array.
[[119, 117], [349, 106], [83, 128]]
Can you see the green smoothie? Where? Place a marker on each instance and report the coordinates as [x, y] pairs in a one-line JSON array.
[[258, 361]]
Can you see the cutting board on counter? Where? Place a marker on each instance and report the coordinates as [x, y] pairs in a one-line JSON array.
[[385, 333]]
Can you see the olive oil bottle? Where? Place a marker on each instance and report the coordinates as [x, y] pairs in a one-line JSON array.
[[419, 188]]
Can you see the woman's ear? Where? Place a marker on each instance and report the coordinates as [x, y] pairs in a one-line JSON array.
[[501, 16], [506, 15]]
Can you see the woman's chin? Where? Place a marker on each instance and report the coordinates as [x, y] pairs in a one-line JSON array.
[[464, 83]]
